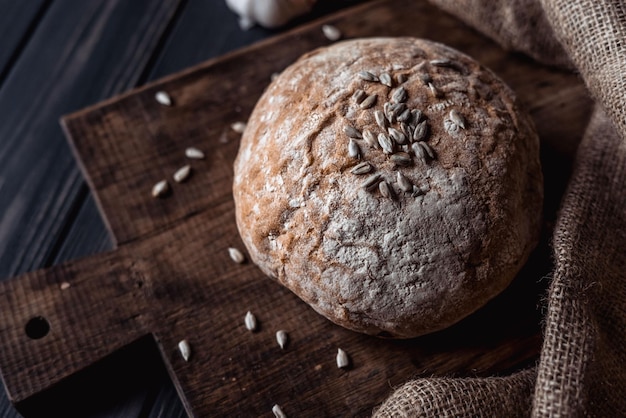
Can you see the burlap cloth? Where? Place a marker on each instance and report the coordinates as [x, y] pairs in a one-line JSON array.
[[582, 366]]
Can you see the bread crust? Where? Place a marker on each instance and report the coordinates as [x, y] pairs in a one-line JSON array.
[[414, 262]]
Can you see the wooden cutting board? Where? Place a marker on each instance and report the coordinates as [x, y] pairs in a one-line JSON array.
[[170, 277]]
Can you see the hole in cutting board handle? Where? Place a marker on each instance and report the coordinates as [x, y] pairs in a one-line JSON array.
[[37, 327]]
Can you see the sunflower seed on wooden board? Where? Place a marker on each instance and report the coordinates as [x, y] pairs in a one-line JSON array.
[[352, 132], [65, 286], [385, 143], [274, 76], [236, 255], [371, 140], [400, 95], [372, 182], [182, 173], [457, 118], [238, 127], [185, 349], [353, 149], [163, 98], [362, 168], [160, 189], [278, 412], [381, 120], [250, 321], [331, 32], [421, 131], [367, 76], [401, 159], [369, 101], [397, 136], [403, 182], [343, 360], [194, 153], [282, 338], [385, 79], [358, 96]]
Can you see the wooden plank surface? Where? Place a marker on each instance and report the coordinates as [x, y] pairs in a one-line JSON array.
[[551, 89], [18, 19]]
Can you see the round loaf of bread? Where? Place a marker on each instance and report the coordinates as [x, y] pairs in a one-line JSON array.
[[393, 184]]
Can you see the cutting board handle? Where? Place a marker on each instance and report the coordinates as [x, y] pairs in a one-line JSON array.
[[57, 321]]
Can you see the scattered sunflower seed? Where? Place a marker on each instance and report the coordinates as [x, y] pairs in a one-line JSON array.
[[160, 189], [367, 76], [274, 76], [371, 182], [421, 131], [343, 360], [352, 132], [457, 118], [381, 120], [236, 255], [401, 78], [278, 412], [359, 95], [385, 143], [353, 149], [238, 127], [182, 173], [400, 95], [250, 321], [282, 338], [368, 102], [362, 168], [65, 285], [370, 139], [194, 153], [185, 349], [163, 98], [397, 136], [385, 79], [401, 159], [403, 182], [331, 32]]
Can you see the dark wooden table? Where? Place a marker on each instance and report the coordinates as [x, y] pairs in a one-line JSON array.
[[56, 57]]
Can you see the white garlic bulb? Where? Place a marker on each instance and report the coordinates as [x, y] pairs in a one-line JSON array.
[[268, 13]]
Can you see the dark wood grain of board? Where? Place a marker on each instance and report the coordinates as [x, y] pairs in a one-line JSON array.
[[170, 277]]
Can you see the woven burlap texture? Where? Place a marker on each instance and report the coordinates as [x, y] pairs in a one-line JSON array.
[[582, 365]]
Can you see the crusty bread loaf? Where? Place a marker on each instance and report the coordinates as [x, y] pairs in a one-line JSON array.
[[397, 232]]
